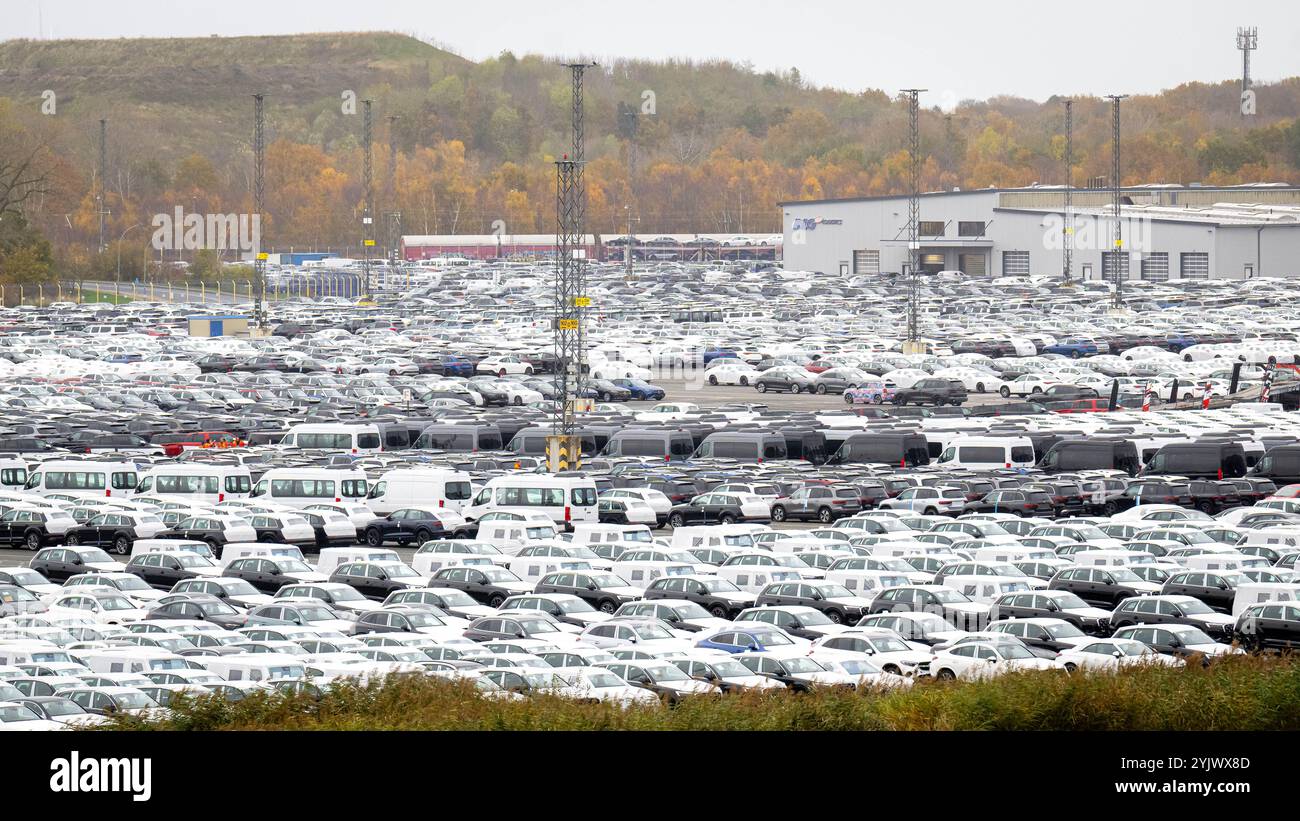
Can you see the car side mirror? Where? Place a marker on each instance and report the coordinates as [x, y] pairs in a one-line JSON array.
[[275, 572], [77, 560], [382, 576], [990, 661], [521, 635], [1117, 654], [754, 647], [591, 586]]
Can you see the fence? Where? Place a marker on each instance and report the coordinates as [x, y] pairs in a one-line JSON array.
[[316, 286]]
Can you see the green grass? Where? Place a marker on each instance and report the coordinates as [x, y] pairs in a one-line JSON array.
[[92, 295], [1240, 693]]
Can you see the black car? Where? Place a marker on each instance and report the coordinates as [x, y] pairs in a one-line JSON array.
[[1019, 502], [31, 528], [270, 573], [1164, 609], [235, 592], [1154, 491], [720, 597], [397, 620], [115, 530], [933, 392], [201, 608], [406, 526], [487, 585], [209, 529], [1052, 604], [945, 602], [23, 577], [1215, 589], [1101, 586], [376, 580], [607, 391], [437, 600], [58, 564], [821, 503], [1181, 640], [1272, 626], [161, 571], [835, 601], [1054, 635], [510, 626], [786, 378], [712, 508], [604, 591]]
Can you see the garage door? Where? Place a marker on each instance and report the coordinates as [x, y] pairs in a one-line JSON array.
[[1015, 263], [866, 262], [1194, 266], [1155, 267], [1109, 260], [973, 265]]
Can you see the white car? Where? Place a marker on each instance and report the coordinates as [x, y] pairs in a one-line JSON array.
[[15, 716], [602, 685], [1112, 654], [884, 647], [737, 373], [656, 499], [635, 511], [649, 635], [518, 393], [1029, 384], [104, 605], [975, 380], [503, 365], [985, 659]]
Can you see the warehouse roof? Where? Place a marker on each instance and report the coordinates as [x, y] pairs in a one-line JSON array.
[[1219, 214], [1144, 188]]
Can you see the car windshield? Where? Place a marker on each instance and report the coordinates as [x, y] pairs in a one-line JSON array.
[[720, 586], [193, 560], [814, 618], [607, 580], [1063, 630], [802, 665], [316, 613], [1193, 635], [293, 566], [651, 632], [1122, 575], [93, 554], [1014, 651], [496, 574], [730, 669], [667, 672], [690, 610], [948, 596], [395, 570], [1194, 607], [833, 591], [12, 713], [134, 701], [858, 667], [239, 588], [773, 638], [131, 583], [116, 603], [1069, 601], [1088, 533], [26, 577], [598, 680], [532, 626], [62, 707]]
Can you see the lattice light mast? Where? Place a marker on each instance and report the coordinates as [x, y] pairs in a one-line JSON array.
[[367, 183], [1067, 238], [259, 194], [913, 344], [1116, 198]]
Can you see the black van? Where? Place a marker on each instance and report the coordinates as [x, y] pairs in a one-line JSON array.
[[745, 446], [459, 437], [902, 449], [1199, 460], [532, 442], [661, 443], [1281, 464], [1096, 453], [806, 444]]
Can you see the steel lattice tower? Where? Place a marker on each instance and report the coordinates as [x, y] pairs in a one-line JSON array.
[[1067, 245], [1116, 199], [913, 209], [101, 189], [259, 193], [393, 222], [566, 315], [367, 183], [579, 215]]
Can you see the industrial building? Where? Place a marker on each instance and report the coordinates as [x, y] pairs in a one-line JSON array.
[[1169, 232], [660, 247]]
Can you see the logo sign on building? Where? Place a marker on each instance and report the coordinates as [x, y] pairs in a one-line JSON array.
[[811, 223]]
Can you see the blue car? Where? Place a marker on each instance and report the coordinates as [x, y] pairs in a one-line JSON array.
[[641, 389], [713, 352], [746, 639], [457, 366], [1073, 348]]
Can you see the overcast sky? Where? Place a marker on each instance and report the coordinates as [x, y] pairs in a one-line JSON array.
[[958, 49]]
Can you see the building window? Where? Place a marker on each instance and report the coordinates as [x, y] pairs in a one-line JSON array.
[[971, 229], [1194, 265], [1015, 263], [1110, 260], [1155, 267], [930, 229], [866, 262]]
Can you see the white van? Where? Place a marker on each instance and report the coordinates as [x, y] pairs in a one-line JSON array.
[[752, 578], [132, 660], [141, 546], [332, 557], [256, 666], [203, 484], [510, 535], [594, 533], [984, 589], [435, 555], [419, 487], [533, 568], [1228, 562], [739, 536], [1111, 558], [83, 478], [1284, 536], [1007, 553], [1249, 593], [866, 583], [32, 651], [299, 487], [336, 437], [984, 452], [264, 550], [567, 499], [13, 473]]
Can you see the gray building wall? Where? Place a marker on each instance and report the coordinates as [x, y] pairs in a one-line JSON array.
[[880, 224]]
